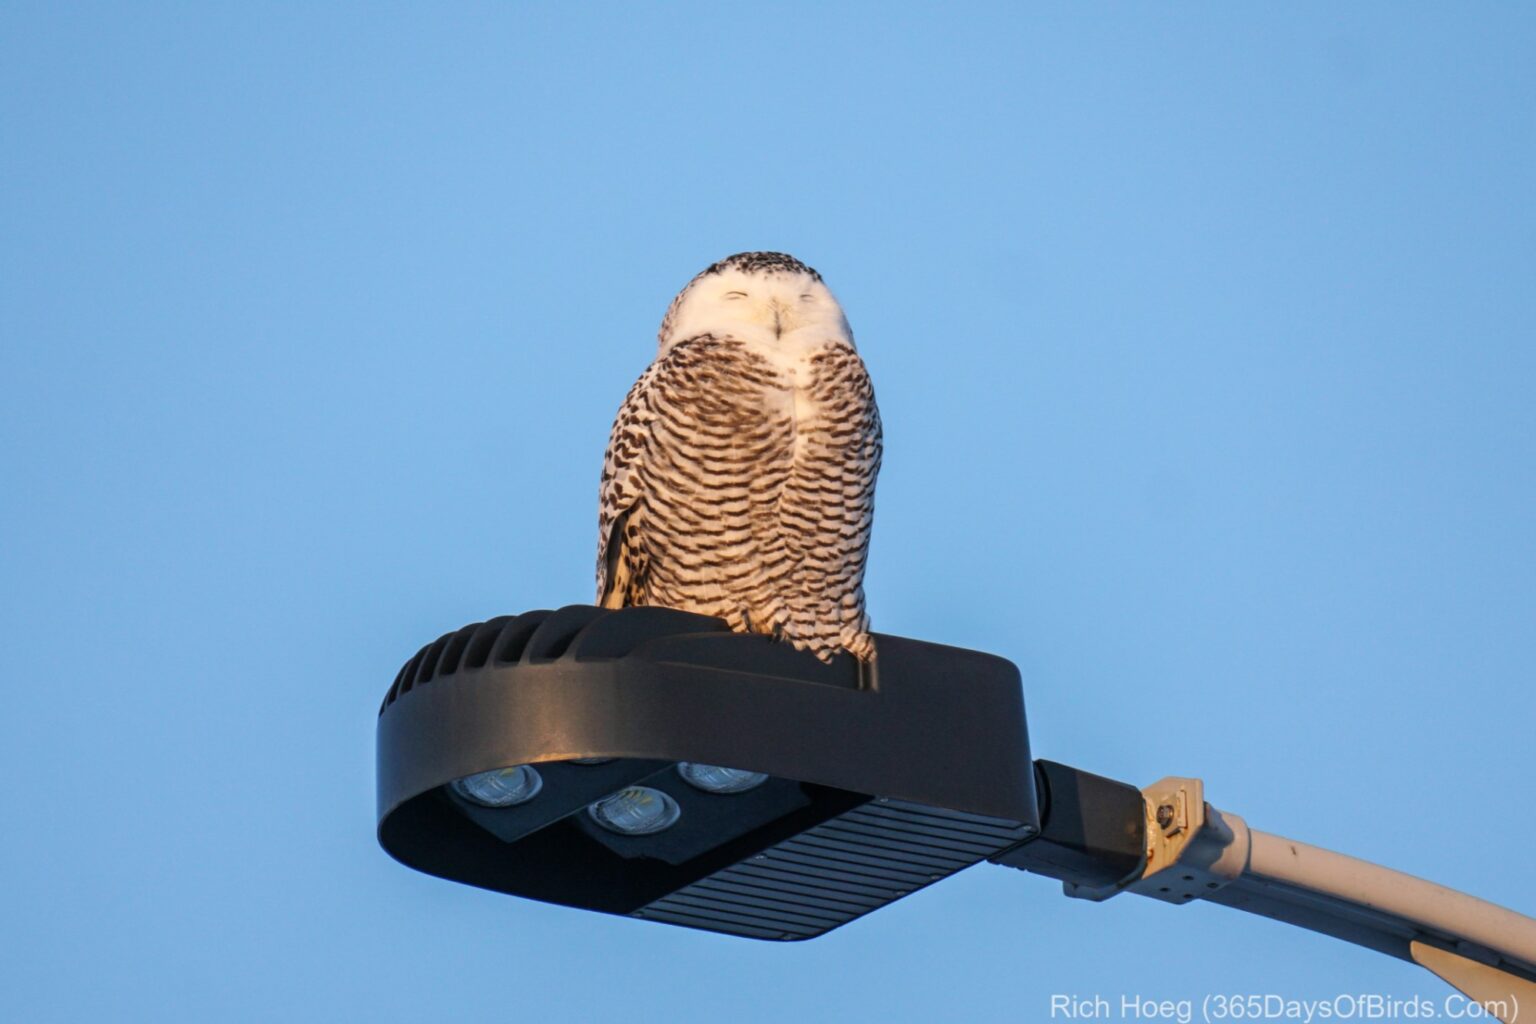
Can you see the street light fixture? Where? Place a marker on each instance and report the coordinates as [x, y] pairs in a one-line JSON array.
[[731, 783], [651, 763]]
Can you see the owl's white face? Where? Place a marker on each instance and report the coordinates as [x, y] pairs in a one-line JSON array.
[[782, 311]]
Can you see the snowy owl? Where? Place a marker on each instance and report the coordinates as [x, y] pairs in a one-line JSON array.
[[740, 475]]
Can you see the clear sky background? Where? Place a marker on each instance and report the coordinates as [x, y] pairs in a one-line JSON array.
[[1205, 340]]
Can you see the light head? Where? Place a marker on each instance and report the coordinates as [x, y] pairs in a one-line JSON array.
[[766, 298], [651, 763]]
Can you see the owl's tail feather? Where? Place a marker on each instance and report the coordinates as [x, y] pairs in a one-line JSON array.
[[613, 584]]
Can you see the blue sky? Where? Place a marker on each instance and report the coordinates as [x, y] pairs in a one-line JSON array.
[[1205, 341]]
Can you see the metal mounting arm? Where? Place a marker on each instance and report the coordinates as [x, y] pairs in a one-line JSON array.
[[1187, 850]]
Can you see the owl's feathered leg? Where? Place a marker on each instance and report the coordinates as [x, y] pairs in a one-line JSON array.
[[860, 645]]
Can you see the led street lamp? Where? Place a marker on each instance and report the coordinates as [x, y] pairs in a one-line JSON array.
[[652, 763], [697, 776]]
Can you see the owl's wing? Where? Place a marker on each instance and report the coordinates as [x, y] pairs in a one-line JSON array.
[[623, 487]]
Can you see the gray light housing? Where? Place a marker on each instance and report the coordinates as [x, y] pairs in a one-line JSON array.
[[885, 777]]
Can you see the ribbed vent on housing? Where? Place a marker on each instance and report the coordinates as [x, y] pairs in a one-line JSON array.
[[837, 871], [541, 637]]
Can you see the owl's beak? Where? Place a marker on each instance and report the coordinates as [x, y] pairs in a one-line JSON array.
[[777, 309]]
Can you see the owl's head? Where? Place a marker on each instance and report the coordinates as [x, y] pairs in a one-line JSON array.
[[764, 297]]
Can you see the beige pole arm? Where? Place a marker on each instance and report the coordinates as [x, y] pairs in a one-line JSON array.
[[1195, 851]]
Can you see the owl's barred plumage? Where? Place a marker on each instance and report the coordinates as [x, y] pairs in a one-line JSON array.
[[740, 475]]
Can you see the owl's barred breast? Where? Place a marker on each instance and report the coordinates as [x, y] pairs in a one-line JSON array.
[[758, 496]]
